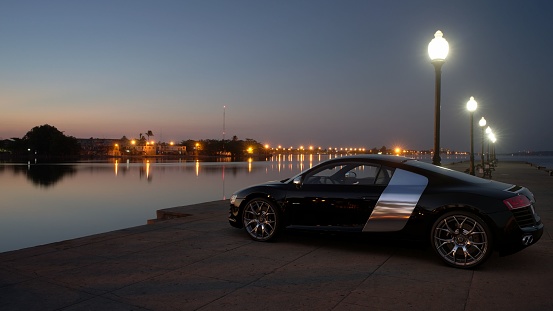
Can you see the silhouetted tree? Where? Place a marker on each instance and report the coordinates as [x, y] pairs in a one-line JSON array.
[[49, 141], [13, 146], [235, 147], [149, 133]]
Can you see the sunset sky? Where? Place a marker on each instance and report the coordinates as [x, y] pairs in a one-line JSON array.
[[322, 73]]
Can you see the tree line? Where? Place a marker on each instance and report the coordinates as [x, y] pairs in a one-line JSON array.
[[47, 141], [43, 140]]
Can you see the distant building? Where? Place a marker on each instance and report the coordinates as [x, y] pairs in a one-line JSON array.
[[170, 149], [121, 148], [96, 146]]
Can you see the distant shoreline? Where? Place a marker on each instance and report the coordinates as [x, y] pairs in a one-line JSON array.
[[12, 158]]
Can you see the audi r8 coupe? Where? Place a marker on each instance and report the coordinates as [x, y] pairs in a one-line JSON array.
[[465, 218]]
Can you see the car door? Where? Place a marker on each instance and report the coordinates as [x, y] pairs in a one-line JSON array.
[[342, 194]]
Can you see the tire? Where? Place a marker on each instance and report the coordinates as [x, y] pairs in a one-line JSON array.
[[261, 219], [461, 239]]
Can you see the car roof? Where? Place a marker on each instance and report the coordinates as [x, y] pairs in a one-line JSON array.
[[381, 157], [413, 165]]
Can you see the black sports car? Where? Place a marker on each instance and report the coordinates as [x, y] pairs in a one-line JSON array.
[[464, 217]]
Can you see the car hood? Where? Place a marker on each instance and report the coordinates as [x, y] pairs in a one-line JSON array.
[[253, 188]]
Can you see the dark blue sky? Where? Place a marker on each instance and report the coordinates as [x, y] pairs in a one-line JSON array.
[[322, 73]]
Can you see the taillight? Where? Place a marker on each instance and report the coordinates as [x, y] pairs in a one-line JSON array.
[[517, 202]]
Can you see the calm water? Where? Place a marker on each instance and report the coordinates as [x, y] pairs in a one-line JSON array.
[[45, 203]]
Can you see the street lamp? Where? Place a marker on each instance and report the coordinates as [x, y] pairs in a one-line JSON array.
[[437, 50], [493, 140], [482, 123], [489, 133], [471, 107]]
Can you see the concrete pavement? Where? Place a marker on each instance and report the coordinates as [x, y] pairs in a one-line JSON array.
[[199, 262]]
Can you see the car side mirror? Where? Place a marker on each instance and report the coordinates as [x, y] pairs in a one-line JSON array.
[[351, 174], [297, 181]]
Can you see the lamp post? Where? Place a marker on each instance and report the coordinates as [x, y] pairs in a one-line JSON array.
[[489, 133], [437, 50], [493, 140], [224, 129], [482, 123], [471, 107]]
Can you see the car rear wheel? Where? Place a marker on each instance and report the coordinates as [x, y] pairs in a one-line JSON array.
[[261, 219], [461, 239]]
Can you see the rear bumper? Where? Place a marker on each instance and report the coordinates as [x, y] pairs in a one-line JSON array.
[[517, 230], [518, 241]]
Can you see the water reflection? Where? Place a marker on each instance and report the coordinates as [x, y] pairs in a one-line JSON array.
[[48, 174], [44, 175], [113, 194], [145, 171]]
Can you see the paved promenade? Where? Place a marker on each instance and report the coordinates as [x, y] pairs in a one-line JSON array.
[[200, 263]]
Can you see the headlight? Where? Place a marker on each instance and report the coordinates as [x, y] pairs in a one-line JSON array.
[[233, 198]]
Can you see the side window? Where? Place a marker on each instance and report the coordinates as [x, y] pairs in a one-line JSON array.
[[384, 176], [350, 174], [327, 175], [365, 174]]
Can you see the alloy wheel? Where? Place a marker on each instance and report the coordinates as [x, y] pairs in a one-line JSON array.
[[461, 239], [260, 219]]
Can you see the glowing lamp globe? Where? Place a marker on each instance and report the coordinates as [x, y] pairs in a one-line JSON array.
[[471, 104], [438, 48], [482, 122]]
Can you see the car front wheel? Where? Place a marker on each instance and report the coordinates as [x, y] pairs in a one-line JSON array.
[[461, 239], [261, 219]]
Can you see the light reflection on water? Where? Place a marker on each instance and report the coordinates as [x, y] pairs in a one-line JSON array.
[[45, 203]]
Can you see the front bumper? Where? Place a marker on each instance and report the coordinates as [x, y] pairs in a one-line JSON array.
[[234, 212]]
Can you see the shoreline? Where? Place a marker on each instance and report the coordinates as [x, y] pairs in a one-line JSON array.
[[48, 159]]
